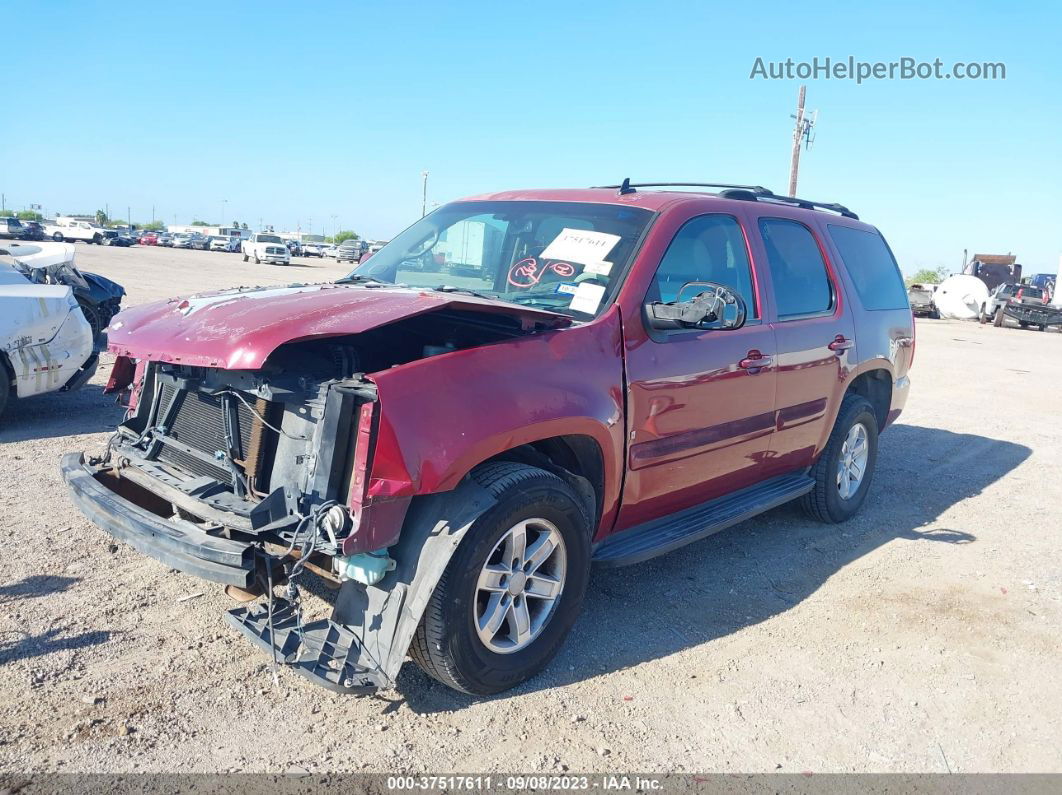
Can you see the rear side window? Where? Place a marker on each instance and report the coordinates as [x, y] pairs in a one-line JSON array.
[[798, 272], [871, 267]]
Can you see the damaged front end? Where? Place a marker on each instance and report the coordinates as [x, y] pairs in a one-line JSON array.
[[238, 477], [252, 477]]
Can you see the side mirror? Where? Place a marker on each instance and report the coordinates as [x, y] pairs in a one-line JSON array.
[[715, 304]]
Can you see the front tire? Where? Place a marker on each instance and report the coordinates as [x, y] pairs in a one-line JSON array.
[[256, 260], [58, 237], [997, 321], [504, 605], [845, 468]]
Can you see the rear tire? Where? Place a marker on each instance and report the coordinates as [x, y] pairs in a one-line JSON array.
[[982, 318], [58, 237], [827, 500], [449, 644]]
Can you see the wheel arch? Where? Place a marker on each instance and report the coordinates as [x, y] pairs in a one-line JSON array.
[[576, 458], [876, 386]]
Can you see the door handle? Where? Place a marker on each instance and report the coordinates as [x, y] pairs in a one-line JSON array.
[[840, 343], [755, 362]]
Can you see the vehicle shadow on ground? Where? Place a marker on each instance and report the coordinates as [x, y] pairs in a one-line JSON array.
[[57, 414], [759, 569], [53, 640], [34, 587]]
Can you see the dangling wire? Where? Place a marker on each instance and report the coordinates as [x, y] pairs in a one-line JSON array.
[[272, 636]]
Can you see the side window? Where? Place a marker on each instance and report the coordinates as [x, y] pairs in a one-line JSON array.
[[871, 266], [709, 248], [801, 283]]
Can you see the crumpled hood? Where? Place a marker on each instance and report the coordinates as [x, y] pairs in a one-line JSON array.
[[238, 329]]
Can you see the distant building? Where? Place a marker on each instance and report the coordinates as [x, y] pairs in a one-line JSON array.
[[211, 231], [302, 237]]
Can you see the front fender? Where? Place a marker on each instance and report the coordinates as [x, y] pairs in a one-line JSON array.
[[440, 417]]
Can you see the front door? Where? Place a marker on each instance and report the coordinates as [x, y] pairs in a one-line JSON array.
[[701, 400]]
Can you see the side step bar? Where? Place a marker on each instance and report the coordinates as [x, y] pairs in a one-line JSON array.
[[326, 653], [665, 535]]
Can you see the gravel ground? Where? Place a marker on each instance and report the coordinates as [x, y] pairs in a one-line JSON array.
[[921, 636]]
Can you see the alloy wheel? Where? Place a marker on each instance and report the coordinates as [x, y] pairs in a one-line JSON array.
[[852, 462], [520, 586]]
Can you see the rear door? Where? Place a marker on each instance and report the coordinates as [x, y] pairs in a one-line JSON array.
[[815, 338]]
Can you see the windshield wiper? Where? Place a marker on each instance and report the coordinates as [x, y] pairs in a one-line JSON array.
[[447, 288]]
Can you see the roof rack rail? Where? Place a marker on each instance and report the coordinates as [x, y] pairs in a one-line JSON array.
[[628, 186], [742, 192], [807, 204]]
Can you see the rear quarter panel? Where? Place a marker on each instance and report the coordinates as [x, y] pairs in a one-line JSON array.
[[884, 337]]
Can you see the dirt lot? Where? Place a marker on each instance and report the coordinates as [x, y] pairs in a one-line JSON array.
[[924, 635]]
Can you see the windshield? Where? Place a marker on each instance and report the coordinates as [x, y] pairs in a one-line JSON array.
[[269, 239], [562, 256]]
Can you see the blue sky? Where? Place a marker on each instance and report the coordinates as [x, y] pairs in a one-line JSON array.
[[293, 112]]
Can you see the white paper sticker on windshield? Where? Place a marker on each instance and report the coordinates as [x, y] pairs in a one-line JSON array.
[[601, 268], [587, 298], [580, 245]]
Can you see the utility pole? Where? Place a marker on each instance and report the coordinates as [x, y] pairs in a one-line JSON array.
[[424, 195], [224, 210], [798, 133], [153, 215], [128, 218]]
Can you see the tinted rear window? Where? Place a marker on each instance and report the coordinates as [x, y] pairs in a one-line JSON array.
[[798, 272], [871, 266]]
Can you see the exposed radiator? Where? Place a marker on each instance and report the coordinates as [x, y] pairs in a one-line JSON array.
[[200, 424]]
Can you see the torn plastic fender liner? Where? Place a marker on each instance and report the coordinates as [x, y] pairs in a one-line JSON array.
[[386, 615], [362, 647]]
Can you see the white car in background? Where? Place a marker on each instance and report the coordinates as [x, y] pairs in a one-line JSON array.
[[218, 243], [45, 340], [263, 247], [65, 228]]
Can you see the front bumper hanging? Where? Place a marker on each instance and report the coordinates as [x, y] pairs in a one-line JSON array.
[[180, 545]]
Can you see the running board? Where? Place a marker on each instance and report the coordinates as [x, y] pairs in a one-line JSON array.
[[664, 535], [326, 653]]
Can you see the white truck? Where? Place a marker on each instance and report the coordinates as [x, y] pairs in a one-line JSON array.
[[65, 228], [45, 340], [263, 247]]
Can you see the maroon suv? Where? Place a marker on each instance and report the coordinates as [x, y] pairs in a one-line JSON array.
[[517, 386]]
